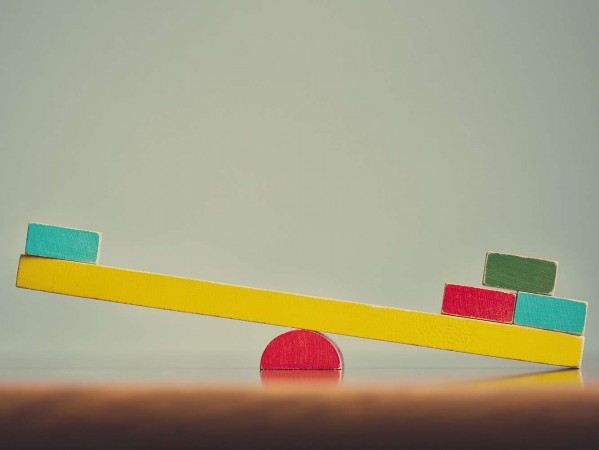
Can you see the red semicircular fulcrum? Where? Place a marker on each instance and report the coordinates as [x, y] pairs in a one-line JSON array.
[[301, 350]]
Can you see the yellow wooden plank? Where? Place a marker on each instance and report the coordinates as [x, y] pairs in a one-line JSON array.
[[300, 311]]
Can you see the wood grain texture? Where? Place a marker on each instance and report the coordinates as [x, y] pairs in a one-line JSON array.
[[551, 313], [51, 241], [179, 417], [478, 303], [295, 378], [300, 311], [301, 350], [520, 273]]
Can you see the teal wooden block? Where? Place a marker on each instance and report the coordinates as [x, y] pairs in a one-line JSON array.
[[56, 242], [550, 313]]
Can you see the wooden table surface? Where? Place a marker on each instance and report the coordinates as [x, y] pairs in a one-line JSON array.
[[541, 410]]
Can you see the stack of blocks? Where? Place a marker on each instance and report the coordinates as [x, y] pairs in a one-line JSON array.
[[532, 304]]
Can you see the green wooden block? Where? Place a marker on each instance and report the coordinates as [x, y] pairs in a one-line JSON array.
[[550, 313], [520, 273]]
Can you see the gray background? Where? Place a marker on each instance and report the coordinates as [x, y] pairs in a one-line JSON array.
[[368, 151]]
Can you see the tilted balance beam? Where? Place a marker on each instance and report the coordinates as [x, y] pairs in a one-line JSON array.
[[300, 311]]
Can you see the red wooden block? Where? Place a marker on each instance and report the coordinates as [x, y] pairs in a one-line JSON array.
[[478, 303], [301, 349]]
